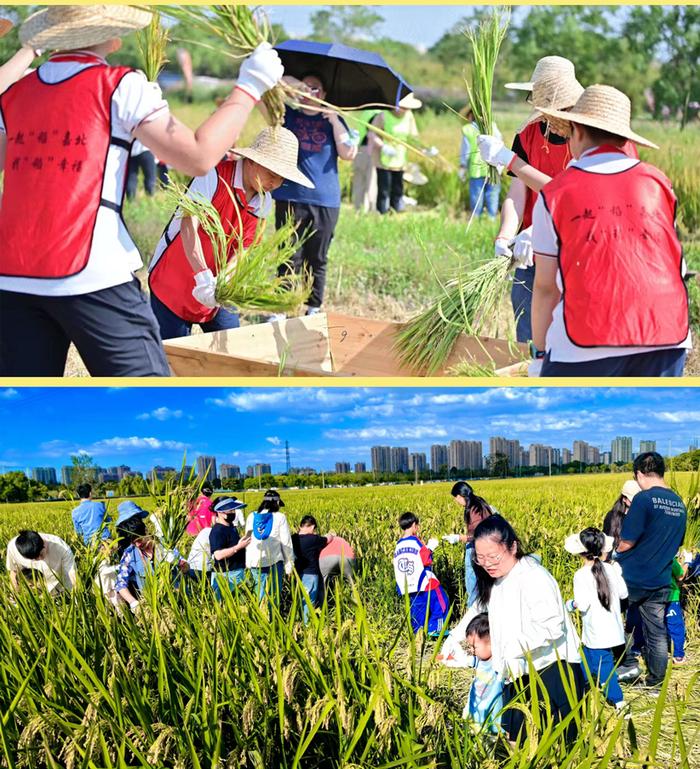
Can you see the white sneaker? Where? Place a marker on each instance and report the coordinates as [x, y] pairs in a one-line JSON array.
[[313, 310], [277, 318]]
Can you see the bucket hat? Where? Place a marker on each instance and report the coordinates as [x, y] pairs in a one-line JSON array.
[[128, 510], [276, 149], [410, 101], [547, 66], [630, 489]]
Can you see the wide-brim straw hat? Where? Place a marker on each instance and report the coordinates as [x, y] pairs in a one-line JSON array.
[[605, 108], [276, 149], [554, 92], [410, 101], [70, 27], [5, 26], [573, 544], [413, 175], [630, 489], [547, 66]]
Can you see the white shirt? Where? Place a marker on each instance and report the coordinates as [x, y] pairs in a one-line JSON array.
[[277, 547], [545, 243], [602, 629], [113, 255], [57, 566], [205, 187], [200, 558], [526, 614]]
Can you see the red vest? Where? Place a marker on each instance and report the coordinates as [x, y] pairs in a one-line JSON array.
[[58, 137], [619, 257], [171, 280]]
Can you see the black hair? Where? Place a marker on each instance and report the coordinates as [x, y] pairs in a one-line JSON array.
[[128, 531], [599, 136], [494, 527], [479, 626], [207, 491], [29, 544], [612, 525], [476, 504], [308, 520], [406, 520], [462, 489], [649, 463], [594, 541], [84, 490], [318, 76]]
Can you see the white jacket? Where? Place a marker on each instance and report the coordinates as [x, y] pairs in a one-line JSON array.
[[277, 547]]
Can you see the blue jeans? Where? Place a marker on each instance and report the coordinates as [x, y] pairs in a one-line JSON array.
[[676, 629], [311, 584], [665, 363], [601, 664], [172, 327], [469, 574], [521, 299], [481, 194], [233, 577], [268, 581]]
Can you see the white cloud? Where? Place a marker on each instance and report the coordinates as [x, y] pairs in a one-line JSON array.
[[162, 414], [274, 440], [9, 392], [117, 444], [389, 433], [294, 398], [679, 416]]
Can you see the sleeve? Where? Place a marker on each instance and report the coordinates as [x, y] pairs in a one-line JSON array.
[[582, 594], [635, 520], [620, 583], [426, 555], [215, 542], [464, 152], [413, 131], [203, 187], [519, 150], [137, 101], [544, 236], [125, 566], [286, 540], [67, 560], [76, 523], [676, 570], [10, 561]]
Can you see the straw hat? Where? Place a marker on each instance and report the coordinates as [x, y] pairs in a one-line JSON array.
[[410, 102], [413, 175], [573, 544], [68, 27], [547, 66], [630, 489], [554, 92], [276, 149], [603, 107], [5, 26]]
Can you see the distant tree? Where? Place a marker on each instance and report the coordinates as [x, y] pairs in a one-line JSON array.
[[346, 23], [14, 487], [84, 470], [497, 465]]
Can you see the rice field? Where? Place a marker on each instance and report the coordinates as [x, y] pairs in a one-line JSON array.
[[190, 683]]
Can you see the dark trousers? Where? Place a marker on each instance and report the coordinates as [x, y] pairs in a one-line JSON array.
[[666, 363], [313, 253], [389, 190], [114, 331], [147, 163], [173, 326], [521, 299], [652, 609]]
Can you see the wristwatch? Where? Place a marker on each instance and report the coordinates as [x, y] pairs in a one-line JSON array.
[[536, 354]]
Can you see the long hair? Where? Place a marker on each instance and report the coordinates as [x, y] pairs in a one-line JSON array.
[[497, 528], [594, 540], [612, 526], [462, 489], [476, 504]]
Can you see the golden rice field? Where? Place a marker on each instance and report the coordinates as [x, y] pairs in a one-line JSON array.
[[190, 683]]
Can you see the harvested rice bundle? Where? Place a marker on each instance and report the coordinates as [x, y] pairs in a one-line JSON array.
[[172, 501], [152, 42]]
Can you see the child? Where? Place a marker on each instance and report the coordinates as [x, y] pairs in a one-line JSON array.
[[598, 590], [486, 692], [412, 562], [307, 549], [675, 625]]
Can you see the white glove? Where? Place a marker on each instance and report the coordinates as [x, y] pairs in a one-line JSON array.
[[522, 249], [289, 567], [389, 150], [204, 290], [535, 367], [462, 174], [502, 248], [432, 543], [431, 152], [261, 71], [571, 605], [452, 539], [493, 151], [353, 138], [134, 606]]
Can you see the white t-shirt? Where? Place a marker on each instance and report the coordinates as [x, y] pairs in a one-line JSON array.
[[602, 629], [200, 558], [545, 243], [277, 547], [57, 566], [113, 255]]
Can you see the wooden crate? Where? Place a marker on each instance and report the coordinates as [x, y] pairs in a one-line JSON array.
[[321, 345]]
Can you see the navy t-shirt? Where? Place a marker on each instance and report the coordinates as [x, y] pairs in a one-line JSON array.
[[656, 524], [220, 538], [307, 548], [318, 160]]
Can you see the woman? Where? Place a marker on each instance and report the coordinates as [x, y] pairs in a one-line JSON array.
[[201, 515], [612, 525], [476, 509], [528, 622], [270, 553]]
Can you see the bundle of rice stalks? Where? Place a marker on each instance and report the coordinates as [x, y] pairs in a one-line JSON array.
[[152, 42], [485, 39], [173, 499], [238, 30], [469, 303], [247, 277]]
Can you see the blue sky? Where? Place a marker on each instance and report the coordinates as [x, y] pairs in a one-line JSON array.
[[142, 427]]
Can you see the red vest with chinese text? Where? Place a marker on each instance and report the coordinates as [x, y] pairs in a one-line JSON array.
[[58, 137], [619, 257], [171, 280]]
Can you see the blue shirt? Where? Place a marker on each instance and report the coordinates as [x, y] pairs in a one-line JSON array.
[[318, 160], [88, 516], [656, 524], [486, 695]]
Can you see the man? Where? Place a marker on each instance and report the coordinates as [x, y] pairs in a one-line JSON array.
[[182, 272], [89, 517], [652, 533], [44, 553], [66, 131]]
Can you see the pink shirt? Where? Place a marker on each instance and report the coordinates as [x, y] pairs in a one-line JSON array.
[[337, 547], [201, 515]]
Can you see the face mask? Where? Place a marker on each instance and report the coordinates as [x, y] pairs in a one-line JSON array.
[[231, 517]]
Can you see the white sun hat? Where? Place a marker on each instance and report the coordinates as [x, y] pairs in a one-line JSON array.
[[547, 66], [573, 544], [630, 489]]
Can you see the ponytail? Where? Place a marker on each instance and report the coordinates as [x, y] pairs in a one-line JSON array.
[[601, 583], [594, 540]]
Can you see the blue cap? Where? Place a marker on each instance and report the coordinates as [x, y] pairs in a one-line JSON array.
[[128, 510], [228, 505]]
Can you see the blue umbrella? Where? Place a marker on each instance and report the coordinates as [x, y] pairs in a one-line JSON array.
[[352, 77]]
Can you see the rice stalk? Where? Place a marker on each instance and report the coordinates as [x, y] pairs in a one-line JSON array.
[[485, 39], [152, 42]]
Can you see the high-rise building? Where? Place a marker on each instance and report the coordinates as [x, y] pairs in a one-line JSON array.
[[230, 471], [46, 475], [67, 475], [510, 448], [303, 471], [417, 462], [524, 458], [540, 455], [399, 459], [645, 446], [565, 456], [122, 470], [466, 455], [592, 455], [439, 457], [580, 452], [160, 472], [381, 459], [258, 469], [107, 476], [342, 467], [360, 467], [206, 468], [622, 449], [606, 458]]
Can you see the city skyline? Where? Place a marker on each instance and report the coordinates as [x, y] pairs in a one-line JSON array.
[[144, 427]]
